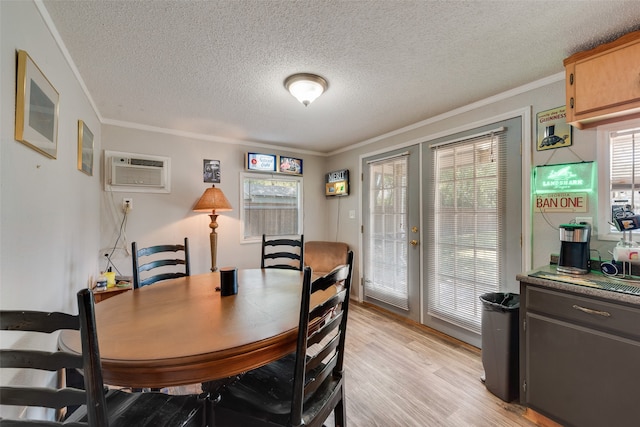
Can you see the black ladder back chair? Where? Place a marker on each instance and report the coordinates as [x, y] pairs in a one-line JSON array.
[[305, 387], [140, 265], [96, 407], [282, 252]]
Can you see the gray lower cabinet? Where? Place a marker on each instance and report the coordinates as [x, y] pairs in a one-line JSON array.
[[580, 363]]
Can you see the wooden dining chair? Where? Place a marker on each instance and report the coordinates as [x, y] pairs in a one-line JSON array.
[[158, 257], [305, 387], [282, 252], [96, 407]]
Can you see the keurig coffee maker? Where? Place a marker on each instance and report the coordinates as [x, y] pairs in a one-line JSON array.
[[574, 248]]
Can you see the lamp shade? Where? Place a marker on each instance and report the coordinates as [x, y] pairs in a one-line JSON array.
[[213, 199], [305, 87]]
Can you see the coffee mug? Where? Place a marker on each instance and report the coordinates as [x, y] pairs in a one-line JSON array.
[[228, 281]]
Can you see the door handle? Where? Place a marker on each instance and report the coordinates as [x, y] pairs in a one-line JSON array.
[[413, 242]]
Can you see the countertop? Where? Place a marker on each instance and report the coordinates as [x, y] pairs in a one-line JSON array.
[[586, 284]]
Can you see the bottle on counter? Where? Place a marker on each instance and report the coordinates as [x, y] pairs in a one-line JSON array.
[[111, 278], [101, 282]]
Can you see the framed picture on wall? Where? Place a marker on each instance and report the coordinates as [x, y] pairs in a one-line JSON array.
[[289, 165], [85, 148], [552, 129], [37, 104], [211, 171], [258, 162]]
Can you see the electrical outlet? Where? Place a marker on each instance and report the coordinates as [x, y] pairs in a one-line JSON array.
[[585, 219], [127, 204]]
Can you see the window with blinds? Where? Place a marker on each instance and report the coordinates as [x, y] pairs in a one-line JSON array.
[[270, 205], [619, 155], [625, 168], [468, 233]]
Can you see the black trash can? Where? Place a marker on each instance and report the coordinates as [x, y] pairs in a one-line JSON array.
[[500, 347]]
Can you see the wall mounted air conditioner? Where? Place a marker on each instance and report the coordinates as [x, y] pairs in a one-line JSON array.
[[136, 172]]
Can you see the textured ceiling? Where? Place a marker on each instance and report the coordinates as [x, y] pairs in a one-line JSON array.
[[216, 68]]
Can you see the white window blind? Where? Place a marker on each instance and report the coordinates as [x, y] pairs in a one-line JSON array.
[[624, 179], [468, 233], [386, 276]]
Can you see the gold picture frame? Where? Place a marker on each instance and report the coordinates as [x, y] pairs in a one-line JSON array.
[[37, 103], [552, 129], [85, 148]]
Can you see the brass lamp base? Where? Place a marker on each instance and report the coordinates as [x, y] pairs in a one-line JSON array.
[[213, 240]]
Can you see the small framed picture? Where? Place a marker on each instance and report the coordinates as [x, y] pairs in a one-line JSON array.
[[85, 148], [37, 104], [552, 129], [337, 183], [290, 165], [258, 162], [211, 171]]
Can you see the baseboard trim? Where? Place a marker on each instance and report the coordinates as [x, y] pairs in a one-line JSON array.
[[539, 419]]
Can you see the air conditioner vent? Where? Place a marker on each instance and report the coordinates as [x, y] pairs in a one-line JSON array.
[[136, 172], [129, 174], [147, 162]]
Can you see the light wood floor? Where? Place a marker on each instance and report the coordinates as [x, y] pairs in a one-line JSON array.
[[402, 374]]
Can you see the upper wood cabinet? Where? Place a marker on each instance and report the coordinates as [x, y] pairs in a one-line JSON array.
[[603, 84]]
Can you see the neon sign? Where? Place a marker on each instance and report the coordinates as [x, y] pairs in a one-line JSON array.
[[567, 177]]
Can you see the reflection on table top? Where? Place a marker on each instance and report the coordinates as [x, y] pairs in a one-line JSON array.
[[182, 331]]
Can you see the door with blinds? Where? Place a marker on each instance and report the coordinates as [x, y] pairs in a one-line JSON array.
[[473, 211], [391, 231]]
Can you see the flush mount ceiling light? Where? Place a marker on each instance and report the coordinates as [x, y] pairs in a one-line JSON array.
[[305, 87]]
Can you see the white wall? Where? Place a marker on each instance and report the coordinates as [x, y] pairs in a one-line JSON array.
[[50, 228], [160, 218], [49, 211]]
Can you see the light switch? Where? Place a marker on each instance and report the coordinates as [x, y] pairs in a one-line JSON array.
[[352, 214]]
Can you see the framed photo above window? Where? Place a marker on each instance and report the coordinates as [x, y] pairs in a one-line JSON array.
[[271, 163], [261, 162], [37, 104], [289, 165], [85, 148]]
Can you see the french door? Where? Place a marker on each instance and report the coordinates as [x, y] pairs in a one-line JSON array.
[[472, 213], [391, 231]]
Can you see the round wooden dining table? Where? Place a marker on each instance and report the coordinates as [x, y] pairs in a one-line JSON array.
[[182, 331]]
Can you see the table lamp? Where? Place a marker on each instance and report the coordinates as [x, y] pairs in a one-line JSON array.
[[213, 200]]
